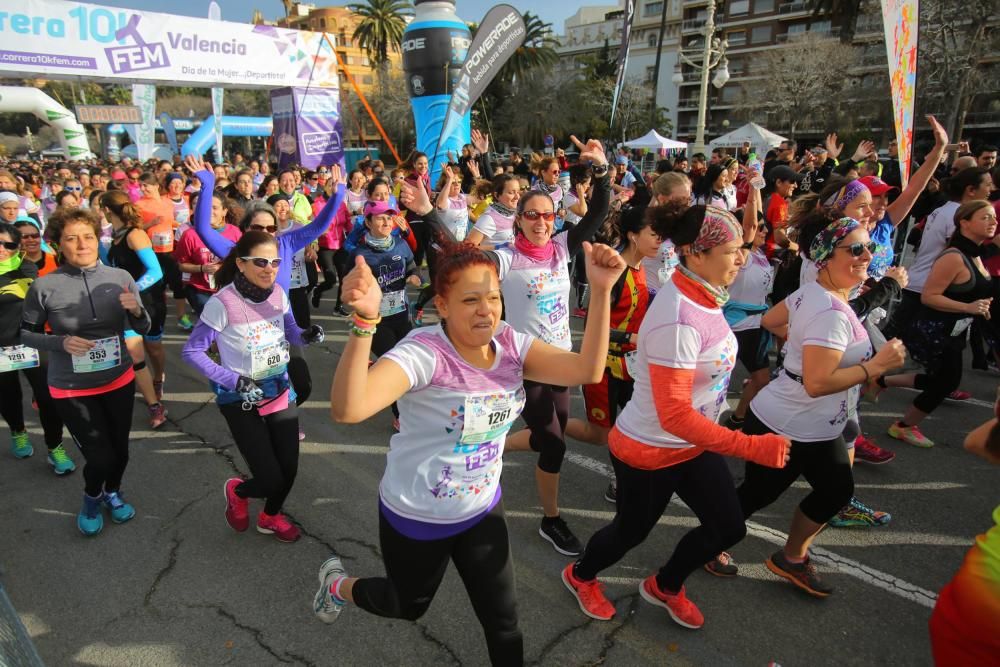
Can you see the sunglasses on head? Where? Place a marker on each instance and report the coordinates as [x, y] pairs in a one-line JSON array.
[[270, 229], [857, 249], [10, 245], [263, 262], [547, 216]]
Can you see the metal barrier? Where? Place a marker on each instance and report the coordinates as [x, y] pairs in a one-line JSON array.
[[16, 647]]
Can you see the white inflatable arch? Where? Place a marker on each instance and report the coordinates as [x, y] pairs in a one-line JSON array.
[[72, 135]]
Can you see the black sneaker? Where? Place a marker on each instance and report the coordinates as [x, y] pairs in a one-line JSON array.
[[560, 536], [340, 310], [803, 575], [722, 565], [611, 493]]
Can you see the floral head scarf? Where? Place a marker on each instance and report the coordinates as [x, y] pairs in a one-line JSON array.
[[822, 247]]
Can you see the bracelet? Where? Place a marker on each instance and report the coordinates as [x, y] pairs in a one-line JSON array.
[[364, 322], [362, 333], [867, 376]]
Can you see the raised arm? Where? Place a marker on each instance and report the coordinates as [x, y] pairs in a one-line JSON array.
[[899, 209], [302, 236], [600, 200], [213, 240]]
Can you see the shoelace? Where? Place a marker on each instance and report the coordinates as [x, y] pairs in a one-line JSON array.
[[59, 455], [114, 500], [561, 530], [281, 522]]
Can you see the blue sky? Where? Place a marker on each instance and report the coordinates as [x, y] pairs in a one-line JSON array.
[[241, 10]]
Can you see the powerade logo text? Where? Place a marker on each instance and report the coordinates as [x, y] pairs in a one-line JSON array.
[[459, 44]]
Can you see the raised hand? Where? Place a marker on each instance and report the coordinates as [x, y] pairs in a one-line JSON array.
[[337, 175], [593, 150], [414, 198], [864, 149], [473, 167], [194, 163], [604, 265], [940, 134], [361, 291], [481, 141], [833, 149], [576, 142]]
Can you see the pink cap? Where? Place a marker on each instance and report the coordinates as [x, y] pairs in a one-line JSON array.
[[379, 208]]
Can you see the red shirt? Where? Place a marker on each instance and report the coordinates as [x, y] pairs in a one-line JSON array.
[[191, 250], [777, 218]]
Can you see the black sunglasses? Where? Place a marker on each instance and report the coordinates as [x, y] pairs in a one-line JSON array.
[[10, 245], [270, 229], [30, 236], [857, 249]]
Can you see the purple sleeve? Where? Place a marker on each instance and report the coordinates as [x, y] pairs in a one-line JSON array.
[[195, 354], [213, 240], [293, 333], [303, 236]]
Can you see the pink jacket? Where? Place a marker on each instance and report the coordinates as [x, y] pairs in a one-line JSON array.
[[333, 238]]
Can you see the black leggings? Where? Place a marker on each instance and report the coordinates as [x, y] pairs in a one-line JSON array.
[[390, 331], [414, 569], [942, 380], [100, 425], [334, 264], [422, 233], [12, 408], [270, 446], [824, 464], [704, 483], [298, 299], [172, 276], [298, 375], [427, 293], [546, 409]]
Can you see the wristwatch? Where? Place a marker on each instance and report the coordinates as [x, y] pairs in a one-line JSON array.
[[747, 246], [601, 170]]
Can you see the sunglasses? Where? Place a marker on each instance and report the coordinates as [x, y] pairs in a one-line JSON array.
[[30, 237], [858, 249], [270, 229], [525, 188], [10, 245], [547, 216], [263, 262], [553, 171], [73, 189]]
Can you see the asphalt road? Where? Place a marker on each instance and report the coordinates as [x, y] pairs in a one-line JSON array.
[[176, 586]]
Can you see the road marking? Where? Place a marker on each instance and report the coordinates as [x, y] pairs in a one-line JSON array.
[[848, 566]]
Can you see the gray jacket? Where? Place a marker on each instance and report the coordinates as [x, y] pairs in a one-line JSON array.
[[84, 303]]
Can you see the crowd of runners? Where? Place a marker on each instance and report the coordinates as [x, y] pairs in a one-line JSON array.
[[788, 263]]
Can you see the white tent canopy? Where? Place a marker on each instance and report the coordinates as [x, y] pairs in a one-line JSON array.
[[760, 139], [653, 141]]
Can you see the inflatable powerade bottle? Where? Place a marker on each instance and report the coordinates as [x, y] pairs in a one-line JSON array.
[[434, 48]]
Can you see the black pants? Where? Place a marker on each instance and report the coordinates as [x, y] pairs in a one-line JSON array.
[[414, 570], [298, 375], [824, 464], [298, 299], [427, 293], [100, 425], [704, 483], [942, 379], [334, 264], [390, 331], [172, 276], [270, 446], [546, 409], [421, 231], [12, 404], [197, 298], [903, 314]]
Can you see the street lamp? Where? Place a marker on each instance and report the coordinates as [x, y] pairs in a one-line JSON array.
[[713, 54]]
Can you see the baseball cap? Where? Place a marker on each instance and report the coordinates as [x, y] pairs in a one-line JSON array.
[[784, 173], [876, 185], [118, 175], [379, 208]]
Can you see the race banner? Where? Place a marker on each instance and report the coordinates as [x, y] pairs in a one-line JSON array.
[[901, 21], [144, 97], [500, 34], [170, 130], [306, 127], [218, 93], [622, 57], [74, 40]]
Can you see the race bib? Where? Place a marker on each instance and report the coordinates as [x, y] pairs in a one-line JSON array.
[[632, 362], [298, 271], [392, 303], [269, 360], [17, 357], [106, 353], [162, 240], [488, 416]]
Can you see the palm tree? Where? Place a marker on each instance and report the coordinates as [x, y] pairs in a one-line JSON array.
[[536, 51], [380, 28]]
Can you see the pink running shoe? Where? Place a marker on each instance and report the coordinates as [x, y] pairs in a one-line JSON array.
[[277, 525], [959, 395], [867, 451], [237, 509], [683, 611]]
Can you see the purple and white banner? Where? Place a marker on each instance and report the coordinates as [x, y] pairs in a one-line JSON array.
[[61, 39], [307, 127]]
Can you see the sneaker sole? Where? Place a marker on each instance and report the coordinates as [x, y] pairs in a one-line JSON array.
[[225, 495], [785, 575], [268, 531], [653, 600], [31, 452], [125, 520], [57, 473], [716, 573], [572, 590], [909, 442], [613, 501], [556, 546], [858, 459], [321, 593], [86, 534]]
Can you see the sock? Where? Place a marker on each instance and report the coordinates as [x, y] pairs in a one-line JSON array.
[[335, 590], [796, 561]]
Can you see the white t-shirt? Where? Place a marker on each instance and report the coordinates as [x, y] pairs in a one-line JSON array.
[[438, 470], [752, 285], [496, 227], [660, 268], [937, 230], [815, 317], [679, 333], [298, 276], [456, 216], [536, 294], [570, 200], [251, 336]]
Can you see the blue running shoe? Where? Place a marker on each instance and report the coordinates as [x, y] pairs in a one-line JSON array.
[[20, 445], [120, 510], [89, 520], [60, 461]]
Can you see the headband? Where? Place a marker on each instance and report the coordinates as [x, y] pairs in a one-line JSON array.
[[845, 195], [718, 227], [822, 247]]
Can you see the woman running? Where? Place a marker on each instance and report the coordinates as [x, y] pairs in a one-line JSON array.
[[828, 357], [252, 325], [194, 258], [459, 389], [16, 277], [87, 307], [686, 353]]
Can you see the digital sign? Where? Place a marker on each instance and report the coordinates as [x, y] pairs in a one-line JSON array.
[[108, 114]]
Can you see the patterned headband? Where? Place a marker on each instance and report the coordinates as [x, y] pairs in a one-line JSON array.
[[845, 195], [822, 247], [718, 227]]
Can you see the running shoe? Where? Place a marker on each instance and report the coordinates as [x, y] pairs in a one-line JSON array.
[[237, 509], [326, 607], [90, 521], [20, 445], [185, 323], [340, 310], [560, 536], [60, 461], [589, 595], [683, 611], [722, 565], [867, 451], [910, 434], [120, 510], [803, 575], [417, 314], [277, 525], [611, 493], [157, 415], [856, 513], [579, 312], [959, 395]]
